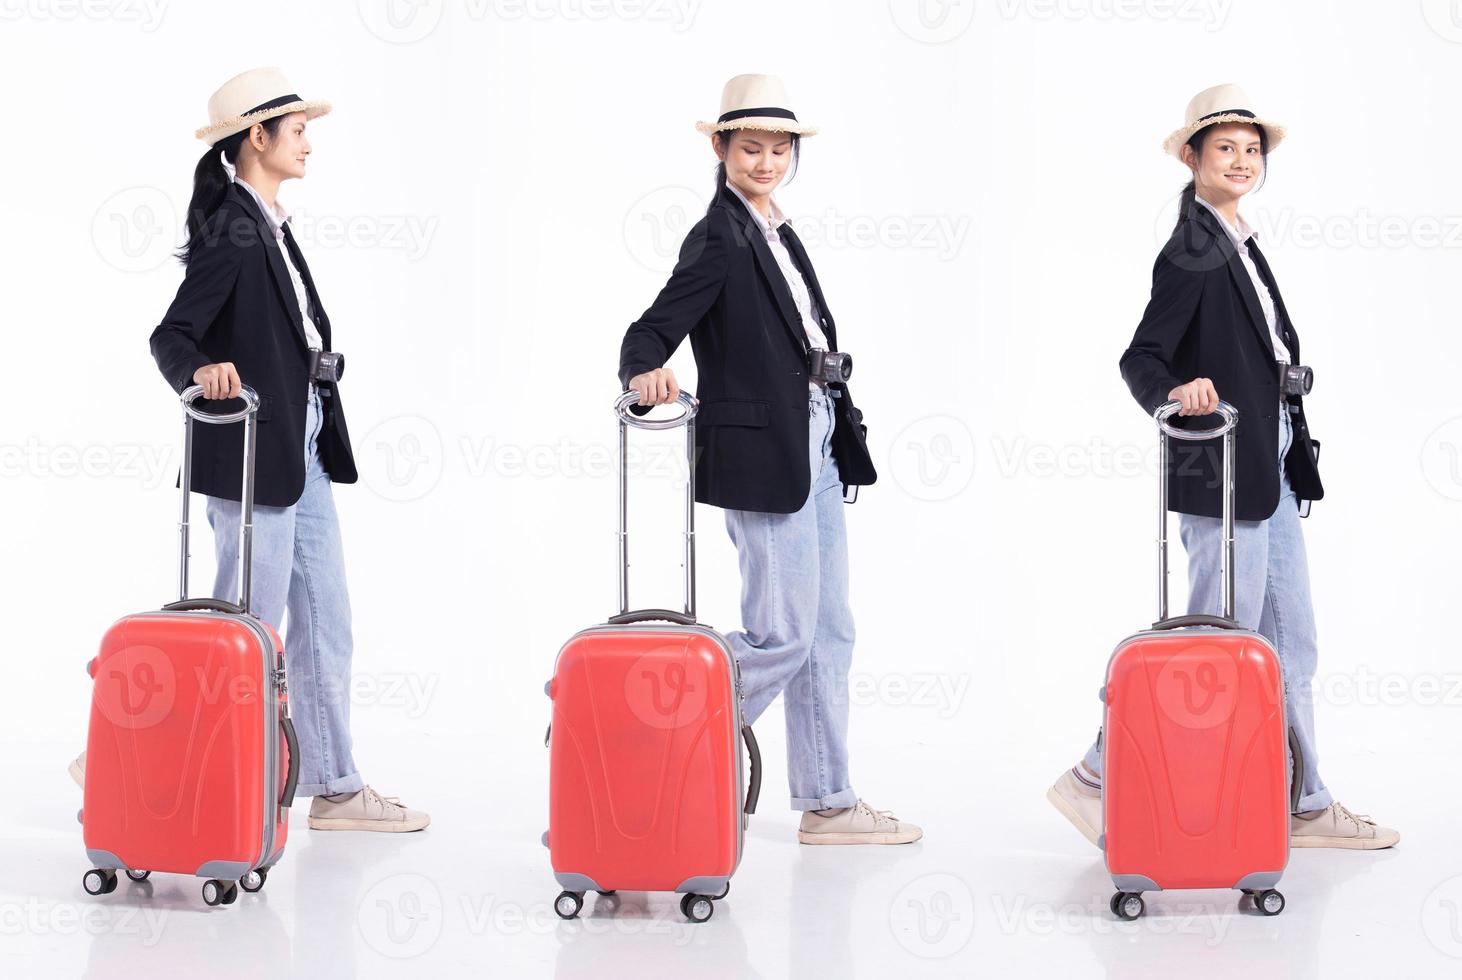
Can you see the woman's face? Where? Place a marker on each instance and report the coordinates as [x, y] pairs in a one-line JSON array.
[[756, 160], [1230, 165], [284, 157]]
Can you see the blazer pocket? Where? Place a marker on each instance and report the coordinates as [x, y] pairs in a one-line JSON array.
[[733, 411]]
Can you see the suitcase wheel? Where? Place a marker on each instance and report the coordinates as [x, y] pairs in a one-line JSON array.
[[254, 880], [568, 904], [136, 875], [1269, 902], [697, 908], [217, 892], [99, 881], [1127, 905]]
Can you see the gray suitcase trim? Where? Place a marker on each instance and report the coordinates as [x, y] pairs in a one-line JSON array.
[[704, 885], [741, 815], [1135, 883], [572, 882], [1259, 880]]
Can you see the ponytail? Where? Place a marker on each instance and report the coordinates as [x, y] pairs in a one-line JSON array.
[[210, 184]]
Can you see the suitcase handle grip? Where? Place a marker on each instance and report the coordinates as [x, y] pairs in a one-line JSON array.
[[291, 781], [203, 602], [1178, 622], [753, 784], [642, 615]]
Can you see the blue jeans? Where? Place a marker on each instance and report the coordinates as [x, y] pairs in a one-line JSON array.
[[299, 566], [797, 629], [1272, 596]]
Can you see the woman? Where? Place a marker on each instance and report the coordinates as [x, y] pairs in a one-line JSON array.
[[776, 445], [1216, 319], [248, 312]]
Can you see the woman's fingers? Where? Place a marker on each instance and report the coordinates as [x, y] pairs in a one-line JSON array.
[[235, 386]]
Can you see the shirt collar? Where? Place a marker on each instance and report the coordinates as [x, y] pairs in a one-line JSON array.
[[768, 227], [276, 216], [1238, 235]]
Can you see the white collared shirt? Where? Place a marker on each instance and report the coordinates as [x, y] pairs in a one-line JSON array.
[[1240, 237], [801, 295], [277, 216]]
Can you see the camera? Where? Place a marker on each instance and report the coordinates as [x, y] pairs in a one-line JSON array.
[[326, 366], [825, 366], [1295, 379]]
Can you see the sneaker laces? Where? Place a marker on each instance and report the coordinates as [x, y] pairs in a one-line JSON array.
[[1361, 820], [386, 801], [879, 816]]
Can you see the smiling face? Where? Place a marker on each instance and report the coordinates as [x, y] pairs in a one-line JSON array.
[[1230, 164], [756, 160], [284, 156]]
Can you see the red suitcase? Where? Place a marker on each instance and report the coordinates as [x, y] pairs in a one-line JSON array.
[[645, 783], [191, 758], [1194, 769]]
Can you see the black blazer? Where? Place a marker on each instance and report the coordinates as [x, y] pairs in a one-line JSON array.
[[729, 294], [237, 303], [1204, 321]]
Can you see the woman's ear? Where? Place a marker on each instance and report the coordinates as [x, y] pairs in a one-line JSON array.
[[257, 138], [718, 144], [1190, 159]]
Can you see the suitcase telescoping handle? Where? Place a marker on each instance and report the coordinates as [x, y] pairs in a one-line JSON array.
[[1169, 431], [688, 406], [249, 415]]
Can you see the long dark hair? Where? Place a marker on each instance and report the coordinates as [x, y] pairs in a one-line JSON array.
[[1185, 200], [724, 139], [210, 183]]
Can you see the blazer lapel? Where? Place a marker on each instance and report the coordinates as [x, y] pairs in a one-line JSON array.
[[1286, 326], [322, 321], [1237, 273], [276, 265], [770, 271], [804, 265]]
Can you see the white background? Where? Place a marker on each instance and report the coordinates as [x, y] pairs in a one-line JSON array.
[[500, 190]]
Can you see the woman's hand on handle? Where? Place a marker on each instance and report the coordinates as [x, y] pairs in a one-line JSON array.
[[1197, 396], [657, 387], [218, 380]]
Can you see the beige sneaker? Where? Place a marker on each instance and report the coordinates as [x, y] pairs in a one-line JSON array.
[[366, 810], [1079, 803], [858, 824], [1338, 827], [77, 769]]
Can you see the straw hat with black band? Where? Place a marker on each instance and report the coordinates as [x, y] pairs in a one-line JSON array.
[[1221, 104], [252, 97]]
